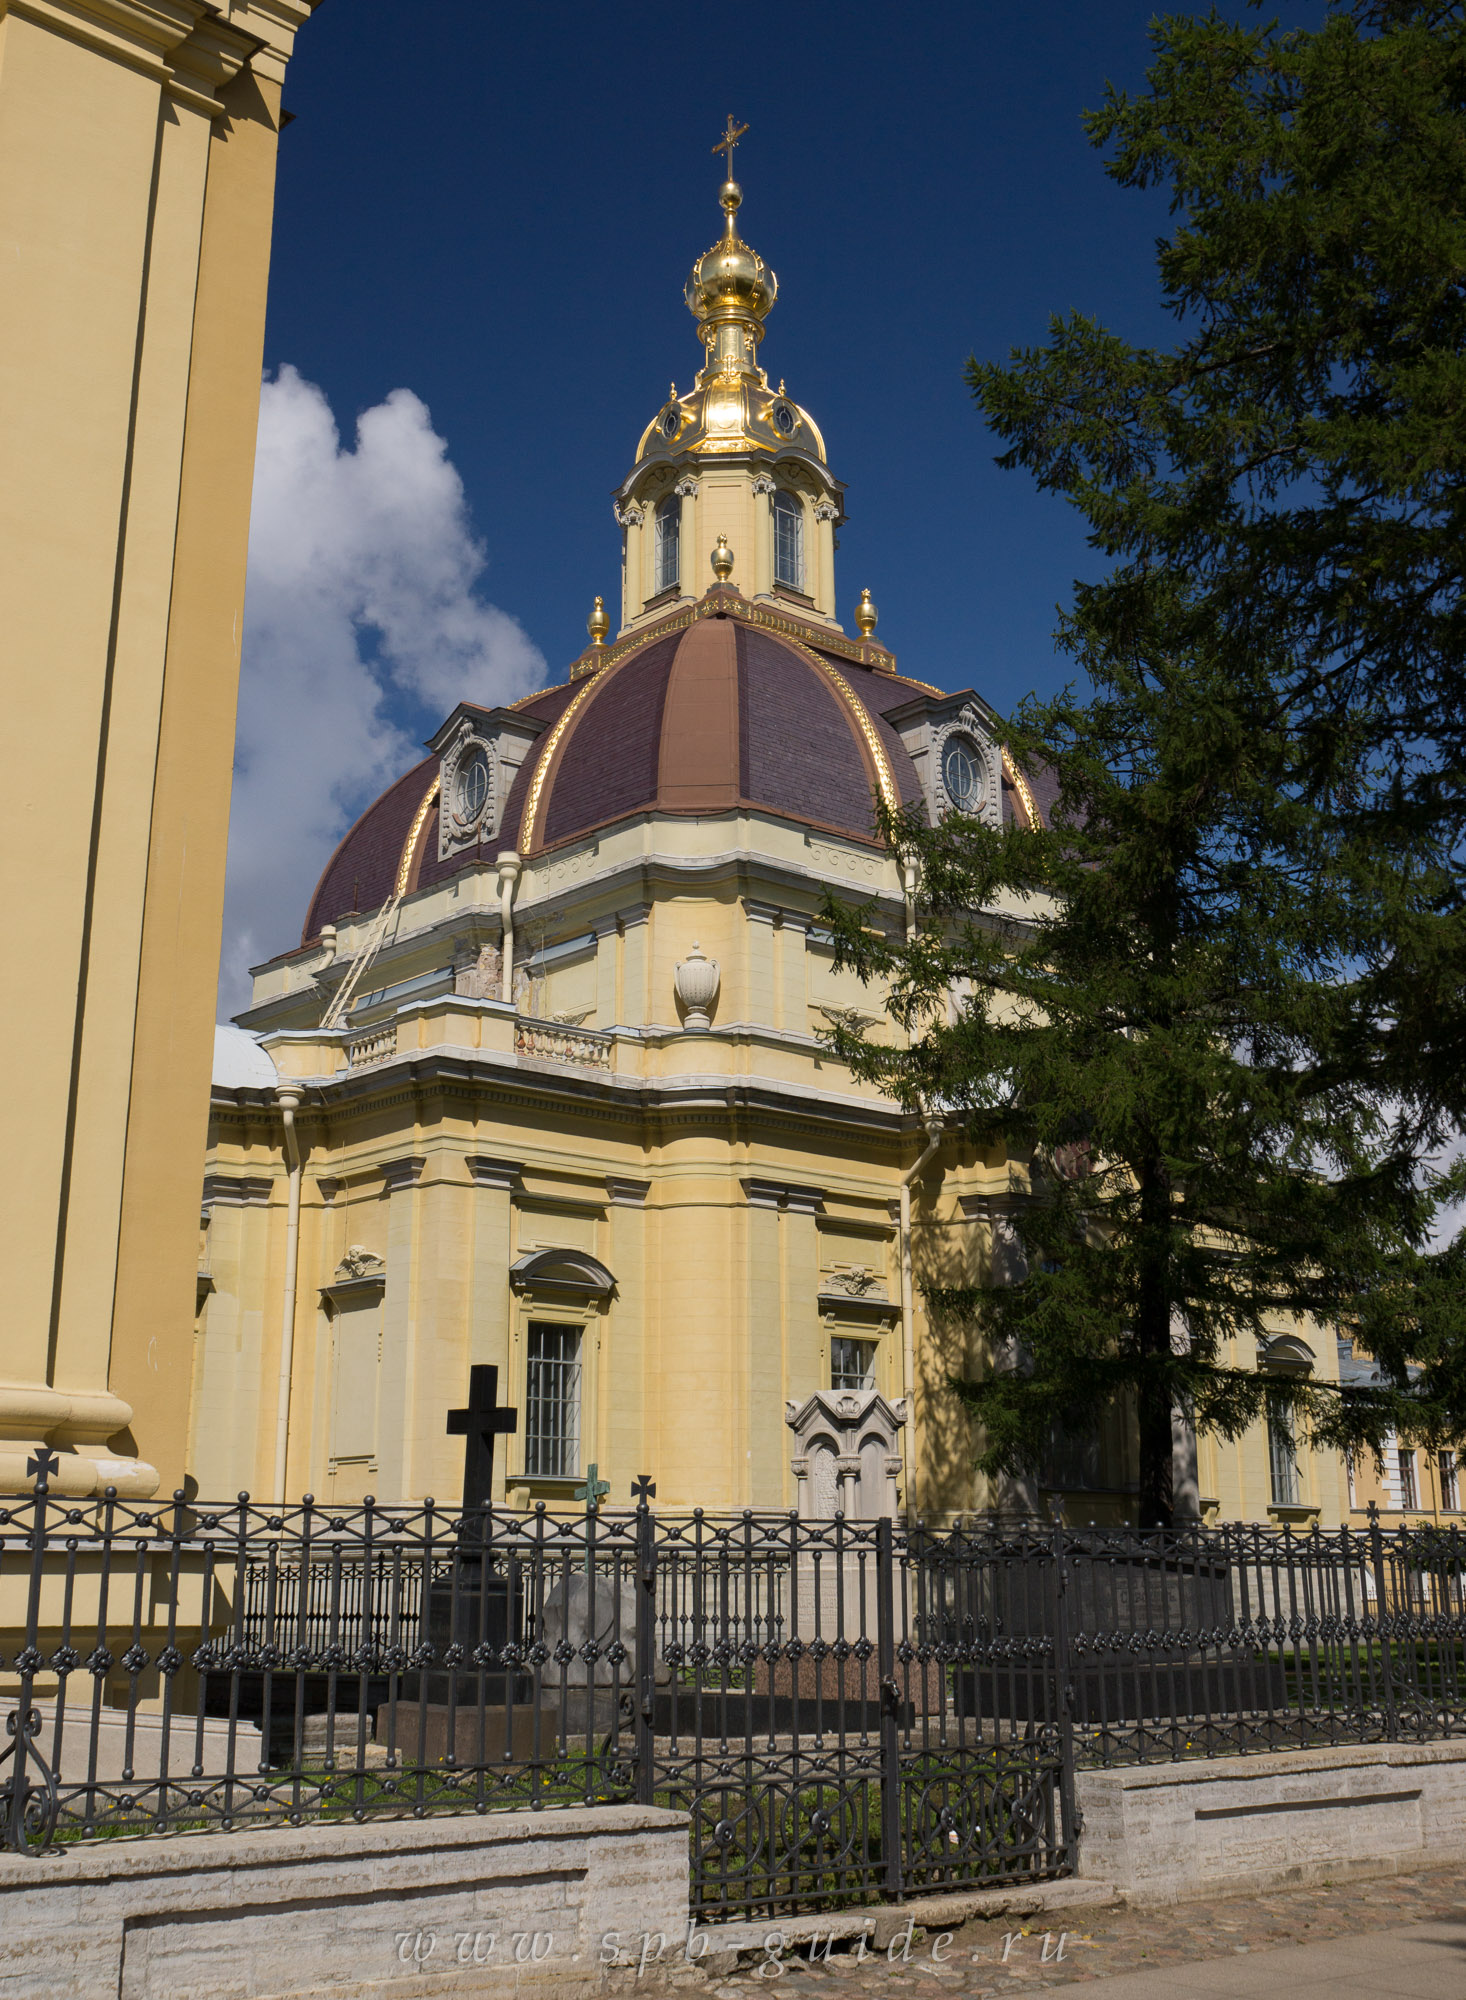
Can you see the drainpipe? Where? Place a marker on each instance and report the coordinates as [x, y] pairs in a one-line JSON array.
[[288, 1095], [509, 867], [908, 1308]]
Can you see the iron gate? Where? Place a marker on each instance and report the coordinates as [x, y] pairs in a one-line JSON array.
[[846, 1718]]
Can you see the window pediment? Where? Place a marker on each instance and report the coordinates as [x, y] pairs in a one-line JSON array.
[[562, 1274]]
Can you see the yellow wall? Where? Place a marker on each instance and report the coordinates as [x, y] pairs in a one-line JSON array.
[[137, 146], [726, 1178]]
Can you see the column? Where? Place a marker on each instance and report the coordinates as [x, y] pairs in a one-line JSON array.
[[137, 148]]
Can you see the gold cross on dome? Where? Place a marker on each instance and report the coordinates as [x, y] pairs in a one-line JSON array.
[[729, 140]]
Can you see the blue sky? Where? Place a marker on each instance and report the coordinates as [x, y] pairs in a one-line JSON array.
[[497, 208], [494, 210]]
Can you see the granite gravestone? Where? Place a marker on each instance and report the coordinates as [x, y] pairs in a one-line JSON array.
[[472, 1708]]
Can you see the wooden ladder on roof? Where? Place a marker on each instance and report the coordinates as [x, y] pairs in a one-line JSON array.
[[372, 943]]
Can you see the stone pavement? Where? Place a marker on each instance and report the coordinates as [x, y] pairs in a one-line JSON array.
[[1403, 1936]]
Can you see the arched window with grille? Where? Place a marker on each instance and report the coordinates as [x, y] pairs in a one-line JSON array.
[[668, 536], [788, 541]]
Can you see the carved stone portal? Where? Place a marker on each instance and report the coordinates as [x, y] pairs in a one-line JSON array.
[[848, 1453]]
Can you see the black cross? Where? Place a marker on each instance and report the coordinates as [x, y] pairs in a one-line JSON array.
[[643, 1489], [481, 1423], [42, 1465]]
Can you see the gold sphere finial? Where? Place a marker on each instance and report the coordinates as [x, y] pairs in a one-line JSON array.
[[599, 623], [866, 615], [722, 560]]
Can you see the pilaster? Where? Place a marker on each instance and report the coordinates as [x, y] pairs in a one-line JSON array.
[[689, 566], [633, 954], [763, 535], [494, 1185], [783, 1325], [825, 514], [760, 948], [399, 1304]]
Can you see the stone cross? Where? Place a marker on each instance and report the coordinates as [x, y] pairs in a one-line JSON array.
[[481, 1423], [591, 1494]]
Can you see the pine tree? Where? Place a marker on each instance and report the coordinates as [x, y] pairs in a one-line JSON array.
[[1299, 457], [1154, 989], [1213, 1009]]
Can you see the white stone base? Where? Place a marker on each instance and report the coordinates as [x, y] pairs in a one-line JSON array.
[[507, 1903], [1227, 1826]]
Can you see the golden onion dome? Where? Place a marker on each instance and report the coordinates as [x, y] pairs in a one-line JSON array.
[[732, 407], [731, 281]]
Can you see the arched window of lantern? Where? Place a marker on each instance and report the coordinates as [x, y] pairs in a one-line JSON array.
[[788, 540], [669, 525]]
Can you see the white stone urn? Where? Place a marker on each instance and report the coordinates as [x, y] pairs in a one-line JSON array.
[[697, 987]]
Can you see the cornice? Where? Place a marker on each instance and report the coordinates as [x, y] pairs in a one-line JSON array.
[[731, 863], [347, 1291], [640, 873], [403, 1078], [236, 1191], [275, 23], [187, 46], [790, 1198]]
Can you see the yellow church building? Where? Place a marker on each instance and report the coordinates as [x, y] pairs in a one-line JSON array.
[[542, 1085]]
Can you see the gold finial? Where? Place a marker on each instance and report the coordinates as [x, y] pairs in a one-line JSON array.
[[728, 141], [598, 624], [865, 615], [722, 554]]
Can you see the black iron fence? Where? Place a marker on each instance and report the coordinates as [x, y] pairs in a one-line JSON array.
[[845, 1710]]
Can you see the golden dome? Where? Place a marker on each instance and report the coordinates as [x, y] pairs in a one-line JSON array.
[[731, 281], [731, 407]]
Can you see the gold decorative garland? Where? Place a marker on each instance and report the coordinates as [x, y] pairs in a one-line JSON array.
[[1020, 785], [404, 866], [542, 769]]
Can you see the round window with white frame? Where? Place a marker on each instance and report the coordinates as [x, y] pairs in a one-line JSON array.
[[473, 782], [963, 774]]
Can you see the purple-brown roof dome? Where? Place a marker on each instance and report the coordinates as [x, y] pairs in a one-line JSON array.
[[707, 719], [715, 715]]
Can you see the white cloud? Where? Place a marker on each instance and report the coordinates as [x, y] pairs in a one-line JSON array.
[[361, 600]]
